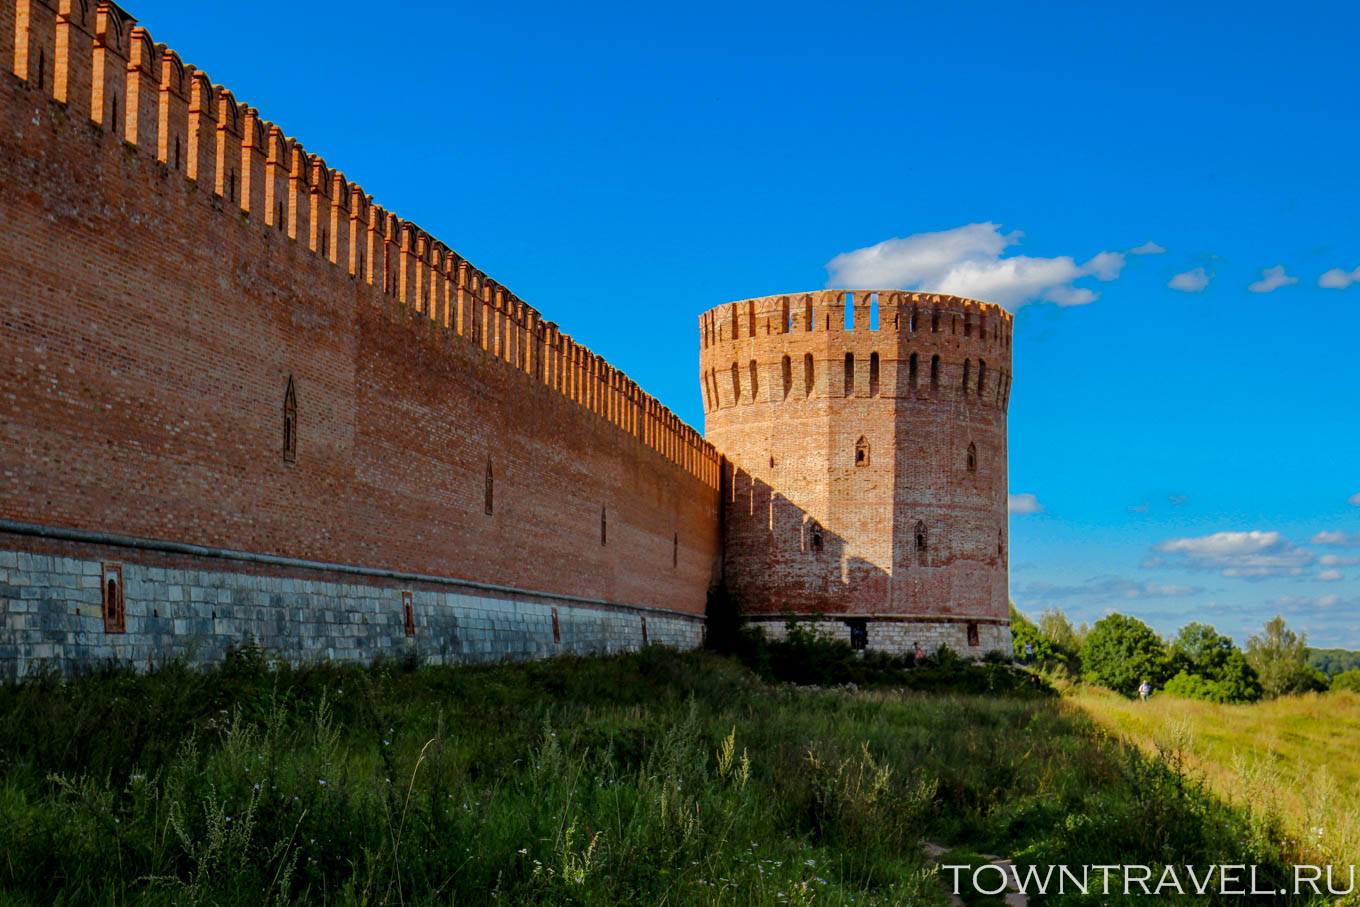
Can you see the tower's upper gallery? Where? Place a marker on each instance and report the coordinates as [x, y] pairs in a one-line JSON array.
[[848, 311], [902, 343]]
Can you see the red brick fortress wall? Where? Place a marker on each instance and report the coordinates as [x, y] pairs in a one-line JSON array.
[[211, 337], [840, 451]]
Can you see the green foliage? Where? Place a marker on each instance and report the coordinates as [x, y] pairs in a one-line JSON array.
[[1347, 680], [1211, 667], [658, 777], [1280, 658], [1121, 652], [1059, 630], [1239, 687], [1334, 661], [1050, 653]]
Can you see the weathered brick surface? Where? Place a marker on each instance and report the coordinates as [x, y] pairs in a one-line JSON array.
[[168, 262], [794, 466]]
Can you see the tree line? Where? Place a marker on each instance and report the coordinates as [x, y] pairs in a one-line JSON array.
[[1121, 652]]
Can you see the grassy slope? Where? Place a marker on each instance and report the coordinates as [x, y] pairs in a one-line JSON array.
[[593, 781], [1294, 760]]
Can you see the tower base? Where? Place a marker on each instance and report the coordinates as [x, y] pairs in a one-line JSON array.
[[895, 635]]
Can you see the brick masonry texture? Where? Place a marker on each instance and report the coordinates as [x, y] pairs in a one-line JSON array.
[[172, 264], [858, 484], [211, 338]]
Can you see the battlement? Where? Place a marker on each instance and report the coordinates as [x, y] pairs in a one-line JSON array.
[[872, 344], [96, 60], [851, 311]]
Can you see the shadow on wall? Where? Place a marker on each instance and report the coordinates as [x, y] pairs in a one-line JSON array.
[[779, 559]]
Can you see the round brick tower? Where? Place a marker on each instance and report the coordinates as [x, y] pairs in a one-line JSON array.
[[865, 483]]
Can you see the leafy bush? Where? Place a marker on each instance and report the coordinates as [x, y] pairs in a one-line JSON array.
[[1197, 686], [809, 658], [1347, 680]]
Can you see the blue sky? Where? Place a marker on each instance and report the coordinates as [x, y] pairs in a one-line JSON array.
[[624, 167]]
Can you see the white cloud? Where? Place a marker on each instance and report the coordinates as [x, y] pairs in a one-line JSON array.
[[1272, 279], [969, 261], [1354, 499], [1336, 539], [1337, 560], [1246, 555], [1337, 279], [1023, 503], [1190, 281], [1147, 248], [1329, 576]]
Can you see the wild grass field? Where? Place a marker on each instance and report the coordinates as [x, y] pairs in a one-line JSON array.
[[1292, 762], [658, 778]]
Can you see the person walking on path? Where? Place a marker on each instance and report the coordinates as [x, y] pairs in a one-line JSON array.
[[1144, 690]]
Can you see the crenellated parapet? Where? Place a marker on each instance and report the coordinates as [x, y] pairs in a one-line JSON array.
[[94, 58], [890, 343]]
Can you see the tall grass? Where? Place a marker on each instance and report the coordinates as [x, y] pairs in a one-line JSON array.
[[1292, 764], [654, 778]]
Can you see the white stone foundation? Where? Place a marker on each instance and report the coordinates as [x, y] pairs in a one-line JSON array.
[[900, 637], [51, 616]]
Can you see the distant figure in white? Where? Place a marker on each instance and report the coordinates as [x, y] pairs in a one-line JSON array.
[[1144, 690]]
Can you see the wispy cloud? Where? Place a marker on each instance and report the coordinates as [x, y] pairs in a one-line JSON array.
[[1023, 503], [1339, 560], [1337, 279], [1354, 499], [971, 261], [1246, 555], [1336, 539], [1190, 281], [1103, 590], [1271, 280], [1147, 248], [1329, 576]]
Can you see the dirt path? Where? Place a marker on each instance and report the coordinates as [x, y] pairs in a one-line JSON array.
[[1013, 897]]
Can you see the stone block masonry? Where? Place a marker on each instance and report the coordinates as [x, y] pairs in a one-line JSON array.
[[901, 636], [195, 608]]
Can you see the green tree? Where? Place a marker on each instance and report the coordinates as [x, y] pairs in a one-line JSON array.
[[1202, 648], [1333, 661], [1280, 658], [1047, 654], [1121, 652], [1059, 630], [1202, 653], [1347, 680]]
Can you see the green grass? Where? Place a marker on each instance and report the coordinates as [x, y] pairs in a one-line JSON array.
[[654, 778]]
